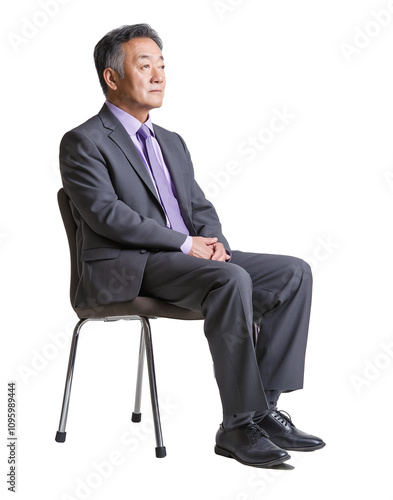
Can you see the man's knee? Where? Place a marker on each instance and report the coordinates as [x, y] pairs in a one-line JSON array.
[[303, 268], [238, 277], [297, 270], [232, 278]]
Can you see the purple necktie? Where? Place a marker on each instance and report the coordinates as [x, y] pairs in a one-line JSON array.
[[168, 200]]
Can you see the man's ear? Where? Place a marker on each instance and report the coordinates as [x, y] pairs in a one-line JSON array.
[[111, 77]]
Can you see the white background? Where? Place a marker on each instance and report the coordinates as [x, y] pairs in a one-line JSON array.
[[321, 190]]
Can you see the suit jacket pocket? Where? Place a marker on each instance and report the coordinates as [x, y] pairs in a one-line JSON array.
[[110, 279], [100, 254]]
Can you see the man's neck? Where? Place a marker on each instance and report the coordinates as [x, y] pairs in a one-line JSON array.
[[140, 113]]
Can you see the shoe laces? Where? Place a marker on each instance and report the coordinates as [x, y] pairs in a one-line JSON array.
[[254, 432], [282, 416]]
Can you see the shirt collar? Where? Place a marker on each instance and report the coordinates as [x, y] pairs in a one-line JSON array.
[[129, 122]]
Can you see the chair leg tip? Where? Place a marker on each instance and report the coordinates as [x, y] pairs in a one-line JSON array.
[[60, 437], [160, 452], [136, 417]]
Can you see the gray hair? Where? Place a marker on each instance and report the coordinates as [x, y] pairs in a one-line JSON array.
[[109, 52]]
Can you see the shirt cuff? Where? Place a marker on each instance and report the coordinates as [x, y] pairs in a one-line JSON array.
[[229, 255], [186, 247]]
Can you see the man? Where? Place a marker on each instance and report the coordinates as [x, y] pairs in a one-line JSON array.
[[143, 220]]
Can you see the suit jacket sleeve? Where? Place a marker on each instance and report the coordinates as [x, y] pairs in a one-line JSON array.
[[86, 180]]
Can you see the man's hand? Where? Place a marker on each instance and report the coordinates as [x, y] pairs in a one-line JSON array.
[[208, 248], [219, 252], [203, 248]]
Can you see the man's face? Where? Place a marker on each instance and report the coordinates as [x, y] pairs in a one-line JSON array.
[[143, 85]]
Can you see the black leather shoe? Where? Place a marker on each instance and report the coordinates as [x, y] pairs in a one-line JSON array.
[[284, 434], [249, 445]]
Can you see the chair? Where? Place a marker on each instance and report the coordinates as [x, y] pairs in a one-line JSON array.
[[142, 308]]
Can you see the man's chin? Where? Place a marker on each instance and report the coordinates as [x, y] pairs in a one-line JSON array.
[[156, 104], [156, 98]]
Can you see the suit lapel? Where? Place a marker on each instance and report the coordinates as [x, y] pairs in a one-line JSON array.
[[121, 138]]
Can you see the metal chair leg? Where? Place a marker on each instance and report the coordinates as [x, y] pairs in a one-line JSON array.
[[136, 414], [160, 449], [61, 433]]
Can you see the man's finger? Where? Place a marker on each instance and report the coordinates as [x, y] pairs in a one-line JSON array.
[[219, 252]]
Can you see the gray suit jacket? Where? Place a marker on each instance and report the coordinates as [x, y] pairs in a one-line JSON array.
[[114, 203]]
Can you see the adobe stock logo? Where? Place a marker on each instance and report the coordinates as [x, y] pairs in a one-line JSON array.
[[249, 148], [31, 27], [102, 470], [322, 251], [371, 29], [373, 369], [224, 7], [42, 357]]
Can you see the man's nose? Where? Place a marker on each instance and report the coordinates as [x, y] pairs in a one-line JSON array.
[[157, 76]]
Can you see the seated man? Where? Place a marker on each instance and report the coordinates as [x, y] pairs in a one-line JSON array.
[[145, 224]]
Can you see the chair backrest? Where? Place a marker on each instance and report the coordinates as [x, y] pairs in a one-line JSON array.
[[70, 227]]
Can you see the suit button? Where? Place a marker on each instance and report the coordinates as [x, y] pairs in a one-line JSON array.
[[143, 251]]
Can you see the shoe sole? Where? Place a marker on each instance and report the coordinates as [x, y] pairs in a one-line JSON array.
[[309, 448], [228, 454]]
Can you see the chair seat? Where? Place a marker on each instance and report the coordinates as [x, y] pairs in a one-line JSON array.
[[141, 306]]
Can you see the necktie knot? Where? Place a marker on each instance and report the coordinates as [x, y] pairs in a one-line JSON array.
[[144, 131]]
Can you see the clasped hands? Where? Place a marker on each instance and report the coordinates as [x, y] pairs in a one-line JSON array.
[[208, 248]]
